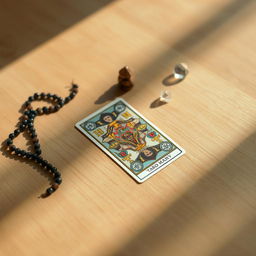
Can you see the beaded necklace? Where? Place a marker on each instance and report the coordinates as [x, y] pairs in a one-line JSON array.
[[27, 124]]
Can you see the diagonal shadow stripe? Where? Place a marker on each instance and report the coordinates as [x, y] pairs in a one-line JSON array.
[[26, 24]]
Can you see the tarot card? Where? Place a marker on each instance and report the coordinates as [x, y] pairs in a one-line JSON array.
[[133, 142]]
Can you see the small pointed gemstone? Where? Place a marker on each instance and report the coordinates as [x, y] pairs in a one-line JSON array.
[[165, 96], [180, 71]]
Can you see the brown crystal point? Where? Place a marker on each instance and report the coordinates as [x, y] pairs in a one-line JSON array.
[[124, 79], [125, 72]]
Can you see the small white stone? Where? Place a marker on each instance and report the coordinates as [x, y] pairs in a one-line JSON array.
[[165, 96], [180, 71]]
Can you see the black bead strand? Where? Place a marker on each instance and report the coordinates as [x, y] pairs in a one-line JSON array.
[[27, 125]]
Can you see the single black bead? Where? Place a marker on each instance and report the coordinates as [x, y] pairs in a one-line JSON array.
[[49, 166], [58, 180], [25, 122], [49, 95], [26, 103], [22, 152], [30, 125], [61, 103], [38, 151], [72, 95], [9, 141], [31, 116], [16, 132], [38, 159], [74, 85], [50, 190], [36, 95], [44, 163], [54, 169], [22, 127], [56, 108], [36, 145], [11, 136], [34, 156], [32, 129], [26, 113], [30, 98], [17, 151], [57, 174], [67, 99], [42, 95], [33, 135], [31, 119], [55, 97], [45, 110], [28, 155], [33, 112]]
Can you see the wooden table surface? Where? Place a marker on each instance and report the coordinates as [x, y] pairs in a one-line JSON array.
[[202, 204]]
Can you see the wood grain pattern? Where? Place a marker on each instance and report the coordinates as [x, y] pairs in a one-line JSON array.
[[202, 204]]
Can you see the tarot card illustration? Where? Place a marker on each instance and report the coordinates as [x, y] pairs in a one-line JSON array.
[[130, 139]]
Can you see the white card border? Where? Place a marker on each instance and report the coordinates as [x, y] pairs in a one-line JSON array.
[[77, 125]]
